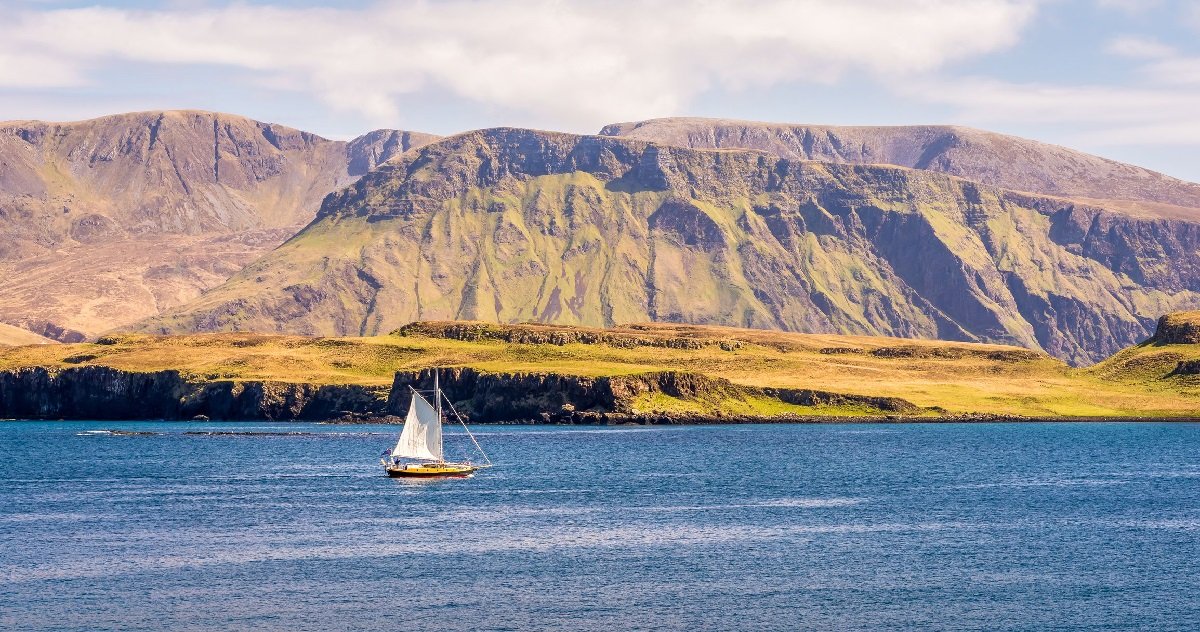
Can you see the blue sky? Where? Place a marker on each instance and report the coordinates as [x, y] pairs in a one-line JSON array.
[[1119, 78]]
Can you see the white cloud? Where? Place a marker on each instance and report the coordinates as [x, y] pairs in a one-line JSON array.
[[33, 70], [1156, 107], [1139, 48], [1176, 70], [575, 63], [1163, 64], [1129, 6], [1094, 114]]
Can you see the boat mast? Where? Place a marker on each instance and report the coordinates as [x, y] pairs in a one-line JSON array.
[[437, 397]]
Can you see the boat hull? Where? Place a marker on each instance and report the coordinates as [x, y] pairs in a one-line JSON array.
[[432, 470]]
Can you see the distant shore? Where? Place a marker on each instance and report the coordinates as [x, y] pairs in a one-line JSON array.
[[638, 374], [666, 420]]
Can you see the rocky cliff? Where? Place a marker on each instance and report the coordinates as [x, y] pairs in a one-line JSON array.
[[512, 225], [498, 397], [999, 160], [107, 221], [96, 392]]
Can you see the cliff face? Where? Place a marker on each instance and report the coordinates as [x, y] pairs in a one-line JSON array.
[[498, 397], [514, 225], [375, 148], [107, 221], [1003, 161], [96, 392]]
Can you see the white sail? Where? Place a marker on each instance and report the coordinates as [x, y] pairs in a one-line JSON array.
[[422, 434]]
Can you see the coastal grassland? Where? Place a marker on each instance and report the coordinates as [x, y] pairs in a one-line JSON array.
[[939, 377], [1164, 367]]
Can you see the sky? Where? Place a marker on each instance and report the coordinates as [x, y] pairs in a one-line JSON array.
[[1118, 78]]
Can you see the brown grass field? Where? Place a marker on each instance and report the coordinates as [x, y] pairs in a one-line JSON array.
[[15, 336]]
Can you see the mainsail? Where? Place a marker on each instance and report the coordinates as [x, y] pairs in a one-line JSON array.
[[422, 434]]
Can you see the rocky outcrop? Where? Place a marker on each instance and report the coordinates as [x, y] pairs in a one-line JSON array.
[[943, 352], [96, 392], [510, 225], [1180, 328], [1186, 367]]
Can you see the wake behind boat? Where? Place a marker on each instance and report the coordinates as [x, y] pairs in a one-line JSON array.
[[419, 452]]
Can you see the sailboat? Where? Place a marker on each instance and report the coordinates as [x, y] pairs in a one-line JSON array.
[[418, 452]]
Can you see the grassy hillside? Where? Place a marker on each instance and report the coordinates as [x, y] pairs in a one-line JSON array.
[[1165, 365], [953, 378]]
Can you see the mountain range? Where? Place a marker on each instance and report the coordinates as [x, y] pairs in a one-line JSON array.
[[168, 222], [112, 220]]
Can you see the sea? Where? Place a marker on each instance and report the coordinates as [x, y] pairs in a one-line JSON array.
[[294, 526]]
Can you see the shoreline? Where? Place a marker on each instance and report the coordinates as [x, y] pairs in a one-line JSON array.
[[676, 397], [617, 419], [664, 420]]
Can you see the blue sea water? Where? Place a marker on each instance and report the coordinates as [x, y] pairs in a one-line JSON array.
[[836, 527]]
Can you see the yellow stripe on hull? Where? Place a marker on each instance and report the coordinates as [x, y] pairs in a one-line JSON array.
[[429, 470]]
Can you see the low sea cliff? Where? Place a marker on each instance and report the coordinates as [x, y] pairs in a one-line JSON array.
[[97, 392]]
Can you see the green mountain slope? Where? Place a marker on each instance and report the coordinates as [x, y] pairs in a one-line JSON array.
[[516, 225]]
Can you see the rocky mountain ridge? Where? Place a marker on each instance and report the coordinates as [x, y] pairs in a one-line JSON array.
[[1007, 162], [514, 225]]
